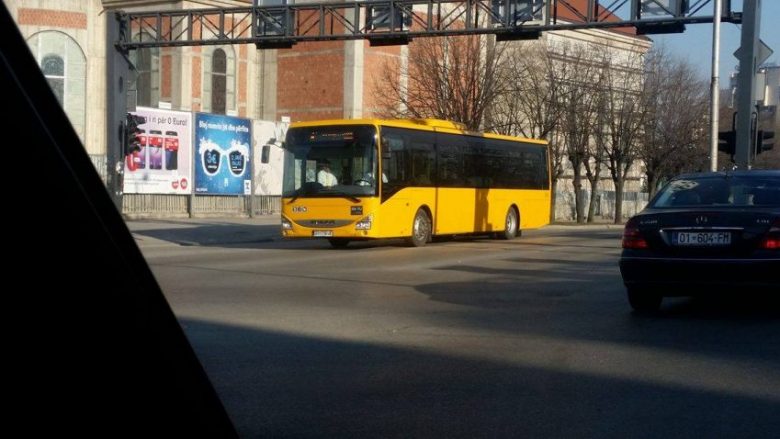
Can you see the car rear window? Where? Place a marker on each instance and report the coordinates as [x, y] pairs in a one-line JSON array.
[[736, 191]]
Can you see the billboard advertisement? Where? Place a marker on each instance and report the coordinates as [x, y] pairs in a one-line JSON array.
[[223, 156], [268, 176], [163, 165]]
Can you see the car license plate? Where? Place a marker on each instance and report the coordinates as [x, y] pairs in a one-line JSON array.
[[322, 233], [702, 238]]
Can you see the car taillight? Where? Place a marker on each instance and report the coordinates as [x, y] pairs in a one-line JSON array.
[[632, 237], [772, 239]]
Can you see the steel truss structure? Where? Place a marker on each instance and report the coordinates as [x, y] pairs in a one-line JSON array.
[[398, 21]]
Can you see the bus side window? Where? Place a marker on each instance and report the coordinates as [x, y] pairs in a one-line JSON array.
[[450, 167], [422, 158], [495, 165], [394, 151]]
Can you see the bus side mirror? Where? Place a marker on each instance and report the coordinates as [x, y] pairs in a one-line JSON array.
[[265, 153]]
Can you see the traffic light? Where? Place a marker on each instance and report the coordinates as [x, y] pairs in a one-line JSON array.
[[132, 141], [727, 142], [765, 141]]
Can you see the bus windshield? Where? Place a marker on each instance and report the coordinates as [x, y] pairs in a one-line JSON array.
[[330, 161]]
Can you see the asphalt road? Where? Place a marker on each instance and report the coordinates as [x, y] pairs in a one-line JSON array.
[[466, 338]]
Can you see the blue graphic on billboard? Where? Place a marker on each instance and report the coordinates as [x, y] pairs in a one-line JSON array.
[[223, 162]]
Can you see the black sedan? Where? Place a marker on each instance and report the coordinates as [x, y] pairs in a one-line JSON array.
[[702, 233]]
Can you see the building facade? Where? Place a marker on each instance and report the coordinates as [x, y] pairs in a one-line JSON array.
[[316, 80]]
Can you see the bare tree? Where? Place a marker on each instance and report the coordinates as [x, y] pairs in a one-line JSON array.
[[530, 104], [453, 78], [597, 151], [581, 98], [625, 114], [551, 94], [675, 134], [557, 167]]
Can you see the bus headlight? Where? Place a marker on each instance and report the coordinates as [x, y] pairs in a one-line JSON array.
[[365, 223], [286, 224]]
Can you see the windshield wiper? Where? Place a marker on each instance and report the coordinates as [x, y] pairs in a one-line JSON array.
[[295, 197], [343, 194]]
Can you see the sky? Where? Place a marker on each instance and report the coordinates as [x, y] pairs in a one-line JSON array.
[[695, 44]]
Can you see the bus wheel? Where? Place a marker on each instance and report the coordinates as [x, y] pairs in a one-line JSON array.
[[421, 229], [338, 242], [510, 224]]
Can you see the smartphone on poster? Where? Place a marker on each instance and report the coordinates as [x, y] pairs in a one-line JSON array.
[[171, 150], [155, 149]]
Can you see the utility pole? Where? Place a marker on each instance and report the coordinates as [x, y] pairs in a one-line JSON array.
[[715, 87], [746, 93]]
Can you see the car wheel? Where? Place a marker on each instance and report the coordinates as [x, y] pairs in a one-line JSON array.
[[510, 225], [421, 229], [642, 299], [338, 242]]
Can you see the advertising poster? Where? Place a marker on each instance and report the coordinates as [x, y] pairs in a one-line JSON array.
[[268, 176], [223, 163], [164, 163]]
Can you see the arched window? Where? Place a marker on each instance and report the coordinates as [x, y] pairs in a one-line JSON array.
[[147, 66], [219, 81], [53, 67], [64, 65]]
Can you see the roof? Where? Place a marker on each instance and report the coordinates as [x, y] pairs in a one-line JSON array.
[[436, 125]]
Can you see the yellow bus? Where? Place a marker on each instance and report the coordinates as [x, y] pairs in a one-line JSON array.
[[350, 180]]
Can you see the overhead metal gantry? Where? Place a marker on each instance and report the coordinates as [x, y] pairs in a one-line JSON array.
[[398, 21]]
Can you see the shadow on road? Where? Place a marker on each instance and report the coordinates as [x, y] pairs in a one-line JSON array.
[[210, 234], [276, 384], [578, 302]]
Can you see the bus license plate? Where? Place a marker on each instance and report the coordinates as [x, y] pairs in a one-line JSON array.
[[322, 233], [703, 238]]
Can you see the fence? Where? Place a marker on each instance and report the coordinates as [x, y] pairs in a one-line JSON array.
[[99, 161], [182, 206], [566, 209]]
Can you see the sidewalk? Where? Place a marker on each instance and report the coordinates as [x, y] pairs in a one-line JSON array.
[[266, 228], [141, 224], [607, 223], [208, 231]]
